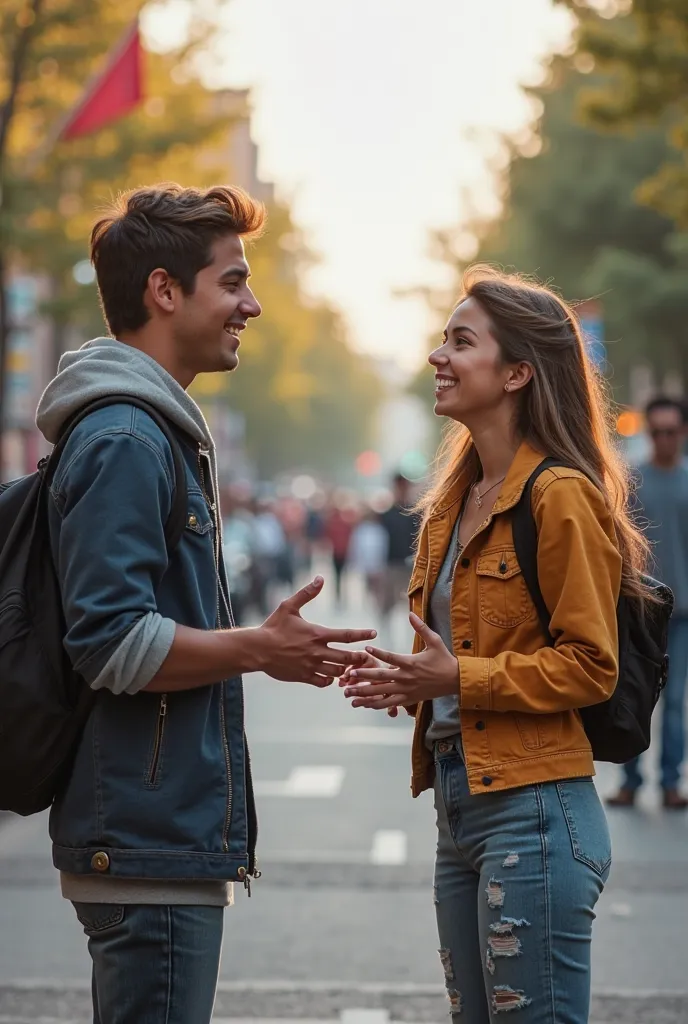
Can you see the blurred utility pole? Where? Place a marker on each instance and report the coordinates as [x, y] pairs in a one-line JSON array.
[[18, 52]]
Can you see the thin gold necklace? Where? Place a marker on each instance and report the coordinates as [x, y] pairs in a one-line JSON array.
[[478, 498]]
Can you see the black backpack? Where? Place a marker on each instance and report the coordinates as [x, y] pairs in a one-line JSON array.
[[618, 728], [44, 703]]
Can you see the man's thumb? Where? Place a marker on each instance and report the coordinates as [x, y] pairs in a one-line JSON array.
[[306, 594]]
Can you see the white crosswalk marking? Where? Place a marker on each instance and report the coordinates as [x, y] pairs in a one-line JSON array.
[[389, 847], [354, 1016], [306, 781]]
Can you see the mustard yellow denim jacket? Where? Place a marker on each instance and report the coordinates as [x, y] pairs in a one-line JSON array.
[[519, 698]]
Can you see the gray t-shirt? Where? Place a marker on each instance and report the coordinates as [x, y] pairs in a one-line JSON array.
[[662, 495], [445, 710]]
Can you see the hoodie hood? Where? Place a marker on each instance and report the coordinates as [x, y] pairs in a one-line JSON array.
[[105, 366]]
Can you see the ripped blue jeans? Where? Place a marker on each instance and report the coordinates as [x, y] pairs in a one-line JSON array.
[[517, 877]]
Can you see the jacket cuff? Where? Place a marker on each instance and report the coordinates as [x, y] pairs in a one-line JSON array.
[[474, 684]]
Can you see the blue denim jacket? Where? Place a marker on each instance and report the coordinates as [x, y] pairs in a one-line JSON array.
[[161, 783]]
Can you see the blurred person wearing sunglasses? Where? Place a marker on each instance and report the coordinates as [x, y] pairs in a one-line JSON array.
[[662, 501]]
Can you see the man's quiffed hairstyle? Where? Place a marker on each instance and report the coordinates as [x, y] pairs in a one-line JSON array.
[[163, 226]]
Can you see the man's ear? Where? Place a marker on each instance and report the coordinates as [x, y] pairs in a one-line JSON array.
[[160, 290]]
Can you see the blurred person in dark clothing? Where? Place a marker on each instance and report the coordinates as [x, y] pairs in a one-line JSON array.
[[662, 500], [338, 529], [401, 525]]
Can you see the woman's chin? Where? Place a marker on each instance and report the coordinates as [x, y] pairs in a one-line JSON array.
[[445, 408]]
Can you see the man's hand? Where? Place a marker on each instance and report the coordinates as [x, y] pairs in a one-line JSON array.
[[410, 678], [294, 650]]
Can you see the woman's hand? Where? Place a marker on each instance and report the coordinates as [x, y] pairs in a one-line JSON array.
[[369, 662], [409, 679]]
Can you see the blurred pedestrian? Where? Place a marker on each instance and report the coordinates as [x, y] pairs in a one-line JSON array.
[[523, 848], [271, 544], [368, 552], [339, 526], [401, 526], [662, 501]]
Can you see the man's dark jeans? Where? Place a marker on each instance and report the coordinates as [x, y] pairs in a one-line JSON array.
[[152, 964]]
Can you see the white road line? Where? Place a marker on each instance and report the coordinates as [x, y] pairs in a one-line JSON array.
[[306, 781], [389, 847], [356, 1016]]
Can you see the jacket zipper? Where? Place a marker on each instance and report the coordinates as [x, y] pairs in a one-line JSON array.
[[159, 733], [253, 871], [212, 506]]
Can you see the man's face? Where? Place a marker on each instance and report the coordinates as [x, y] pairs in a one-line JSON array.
[[666, 429], [209, 322]]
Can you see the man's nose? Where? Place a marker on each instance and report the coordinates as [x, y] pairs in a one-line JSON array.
[[251, 307]]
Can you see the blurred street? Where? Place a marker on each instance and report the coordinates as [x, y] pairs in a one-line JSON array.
[[342, 922]]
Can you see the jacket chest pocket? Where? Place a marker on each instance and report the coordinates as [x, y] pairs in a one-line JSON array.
[[199, 521], [504, 599]]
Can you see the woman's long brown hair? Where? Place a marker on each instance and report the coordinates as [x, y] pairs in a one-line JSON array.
[[565, 411]]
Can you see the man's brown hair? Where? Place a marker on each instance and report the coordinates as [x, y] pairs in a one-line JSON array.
[[165, 226]]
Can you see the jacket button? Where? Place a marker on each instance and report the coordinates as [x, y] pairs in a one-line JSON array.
[[465, 562], [480, 726], [467, 644], [241, 872], [192, 520], [487, 781], [503, 567], [100, 861]]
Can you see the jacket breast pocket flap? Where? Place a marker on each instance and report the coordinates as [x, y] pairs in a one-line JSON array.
[[198, 516], [504, 597]]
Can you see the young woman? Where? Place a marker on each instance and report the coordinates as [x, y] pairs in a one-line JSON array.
[[523, 850]]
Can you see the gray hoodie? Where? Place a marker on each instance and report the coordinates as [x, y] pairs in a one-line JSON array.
[[105, 367]]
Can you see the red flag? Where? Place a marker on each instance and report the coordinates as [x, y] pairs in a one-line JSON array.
[[116, 91]]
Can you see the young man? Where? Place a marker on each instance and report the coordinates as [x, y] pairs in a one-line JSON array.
[[158, 818], [662, 497]]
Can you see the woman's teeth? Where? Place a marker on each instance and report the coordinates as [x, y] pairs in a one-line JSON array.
[[441, 384]]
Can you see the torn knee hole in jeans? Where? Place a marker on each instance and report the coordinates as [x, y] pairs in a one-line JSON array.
[[506, 998], [511, 859], [455, 997], [455, 1001], [503, 942], [495, 894], [446, 960]]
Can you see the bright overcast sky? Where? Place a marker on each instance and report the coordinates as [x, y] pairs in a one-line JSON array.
[[361, 112]]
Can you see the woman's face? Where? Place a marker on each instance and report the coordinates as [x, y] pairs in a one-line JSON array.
[[470, 376]]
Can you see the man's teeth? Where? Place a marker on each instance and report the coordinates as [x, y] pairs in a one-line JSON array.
[[443, 384], [234, 331]]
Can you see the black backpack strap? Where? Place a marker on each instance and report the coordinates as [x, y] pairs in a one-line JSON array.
[[176, 520], [526, 543]]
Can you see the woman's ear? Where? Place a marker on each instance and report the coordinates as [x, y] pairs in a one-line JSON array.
[[519, 375]]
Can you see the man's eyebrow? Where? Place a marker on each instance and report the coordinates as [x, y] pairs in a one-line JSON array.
[[240, 270]]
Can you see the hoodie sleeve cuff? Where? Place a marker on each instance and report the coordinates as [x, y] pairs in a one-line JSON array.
[[139, 656]]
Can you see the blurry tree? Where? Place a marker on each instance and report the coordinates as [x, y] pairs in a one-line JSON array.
[[642, 45], [52, 191], [571, 217]]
